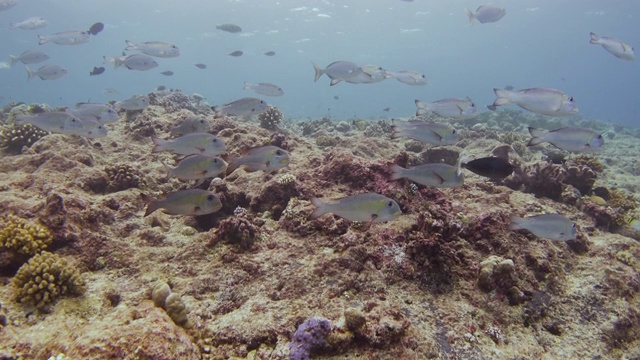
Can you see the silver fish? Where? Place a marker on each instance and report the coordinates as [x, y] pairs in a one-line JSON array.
[[550, 226], [195, 143], [53, 121], [140, 62], [105, 114], [409, 77], [31, 23], [192, 124], [266, 158], [47, 72], [368, 207], [430, 133], [29, 57], [337, 71], [543, 101], [236, 53], [186, 202], [136, 102], [456, 108], [71, 37], [242, 107], [486, 14], [370, 74], [154, 48], [266, 89], [7, 4], [197, 167], [232, 28], [570, 138], [91, 128], [616, 47], [436, 175]]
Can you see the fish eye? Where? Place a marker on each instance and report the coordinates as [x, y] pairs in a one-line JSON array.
[[570, 98], [573, 225], [390, 203], [215, 161], [599, 136], [214, 140], [453, 131], [473, 105], [278, 152], [210, 198], [201, 121]]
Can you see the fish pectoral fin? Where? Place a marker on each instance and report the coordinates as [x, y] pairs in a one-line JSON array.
[[201, 149], [442, 180], [196, 209]]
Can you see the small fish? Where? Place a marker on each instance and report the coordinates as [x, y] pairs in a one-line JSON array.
[[614, 46], [201, 66], [71, 37], [386, 109], [191, 202], [47, 72], [194, 143], [266, 158], [136, 102], [549, 226], [161, 88], [96, 28], [367, 207], [167, 73], [103, 113], [491, 167], [370, 74], [29, 57], [508, 87], [192, 124], [31, 23], [154, 48], [236, 53], [336, 97], [110, 91], [269, 53], [570, 138], [437, 175], [231, 28], [53, 121], [430, 133], [97, 70], [7, 4], [140, 62], [456, 108], [242, 107], [337, 71], [543, 101], [409, 77], [486, 14], [266, 89], [197, 167]]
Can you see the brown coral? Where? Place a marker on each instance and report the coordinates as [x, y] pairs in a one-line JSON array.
[[124, 176], [270, 118], [20, 239], [15, 137]]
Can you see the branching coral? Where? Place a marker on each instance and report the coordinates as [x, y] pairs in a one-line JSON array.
[[20, 239], [270, 118], [124, 176], [238, 230], [15, 137]]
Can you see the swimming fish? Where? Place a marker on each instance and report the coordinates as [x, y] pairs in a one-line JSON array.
[[31, 23], [231, 28], [242, 107], [337, 71], [47, 72], [192, 124], [370, 74], [91, 128], [269, 53], [266, 89], [491, 167], [186, 202], [197, 167], [105, 114], [29, 57], [570, 138], [194, 143], [136, 102], [550, 226], [409, 77], [543, 101], [614, 46], [430, 133], [7, 4], [71, 37], [456, 108], [201, 66], [486, 14], [154, 48], [140, 62], [167, 73], [266, 158], [437, 175], [52, 121], [367, 207], [96, 28], [236, 53], [97, 70]]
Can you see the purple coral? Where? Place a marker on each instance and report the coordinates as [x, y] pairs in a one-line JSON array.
[[310, 336]]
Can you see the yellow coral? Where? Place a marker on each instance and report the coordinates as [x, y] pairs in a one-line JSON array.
[[45, 278], [22, 237]]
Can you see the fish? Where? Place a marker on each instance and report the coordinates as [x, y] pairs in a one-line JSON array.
[[336, 97], [430, 133], [231, 28], [543, 101], [266, 158], [386, 109], [105, 114], [29, 57], [269, 53], [197, 167], [71, 37], [167, 73], [616, 47], [436, 175], [47, 72], [337, 71], [92, 129], [31, 23], [97, 70], [634, 224], [242, 107], [191, 202], [154, 48], [570, 138], [136, 102], [409, 77], [490, 167], [200, 66], [367, 207], [236, 53], [370, 74], [140, 62], [549, 226], [194, 143], [486, 14], [7, 4], [52, 121], [161, 88], [266, 89], [110, 91], [192, 124], [456, 108], [96, 28], [508, 88]]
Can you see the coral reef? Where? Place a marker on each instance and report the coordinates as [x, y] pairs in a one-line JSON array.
[[270, 118], [546, 179], [172, 303], [14, 137], [172, 102], [20, 239], [237, 230], [123, 177]]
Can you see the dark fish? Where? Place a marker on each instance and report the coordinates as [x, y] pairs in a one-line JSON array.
[[270, 53], [167, 73], [336, 97], [508, 87], [201, 66], [491, 167], [236, 53], [96, 28], [232, 28], [96, 71], [161, 88], [386, 109]]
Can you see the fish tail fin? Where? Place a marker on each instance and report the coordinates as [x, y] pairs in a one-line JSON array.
[[12, 26], [517, 223], [160, 144], [130, 45], [397, 172], [318, 71], [152, 206], [536, 136], [246, 86], [111, 60], [462, 160], [334, 81], [42, 39], [321, 208], [470, 15], [502, 97], [12, 60], [395, 132], [30, 73], [232, 164], [423, 107], [217, 110], [19, 120], [595, 39], [170, 171]]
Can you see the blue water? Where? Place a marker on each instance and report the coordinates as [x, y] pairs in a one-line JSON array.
[[537, 44]]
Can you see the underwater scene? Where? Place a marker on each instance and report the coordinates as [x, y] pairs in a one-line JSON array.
[[319, 179]]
